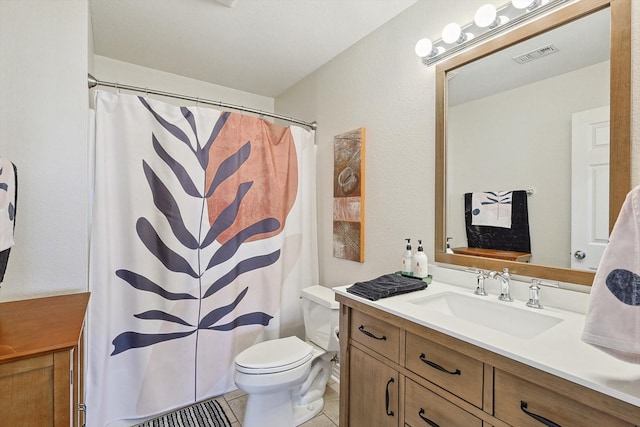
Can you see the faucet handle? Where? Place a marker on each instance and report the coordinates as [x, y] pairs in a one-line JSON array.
[[534, 294]]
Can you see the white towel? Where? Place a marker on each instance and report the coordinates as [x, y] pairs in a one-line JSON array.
[[612, 321], [7, 203], [491, 208]]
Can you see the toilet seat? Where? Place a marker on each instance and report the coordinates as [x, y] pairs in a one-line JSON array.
[[274, 356]]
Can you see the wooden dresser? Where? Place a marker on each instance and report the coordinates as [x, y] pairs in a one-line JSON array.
[[41, 357]]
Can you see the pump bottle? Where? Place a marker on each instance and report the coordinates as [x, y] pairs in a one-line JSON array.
[[407, 259], [420, 262]]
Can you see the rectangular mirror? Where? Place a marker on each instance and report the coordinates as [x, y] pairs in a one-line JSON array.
[[545, 109]]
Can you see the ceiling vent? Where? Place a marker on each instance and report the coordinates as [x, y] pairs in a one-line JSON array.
[[535, 54]]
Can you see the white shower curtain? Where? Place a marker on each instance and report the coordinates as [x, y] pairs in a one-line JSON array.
[[203, 234]]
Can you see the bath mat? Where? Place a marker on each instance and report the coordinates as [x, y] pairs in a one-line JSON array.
[[204, 414]]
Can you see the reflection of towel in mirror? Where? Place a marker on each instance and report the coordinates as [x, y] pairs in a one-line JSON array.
[[491, 208], [612, 322]]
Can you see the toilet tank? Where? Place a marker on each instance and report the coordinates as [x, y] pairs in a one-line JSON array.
[[321, 316]]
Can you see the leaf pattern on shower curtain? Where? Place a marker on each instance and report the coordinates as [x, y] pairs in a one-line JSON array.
[[244, 200]]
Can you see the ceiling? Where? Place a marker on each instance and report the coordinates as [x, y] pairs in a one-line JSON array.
[[258, 46]]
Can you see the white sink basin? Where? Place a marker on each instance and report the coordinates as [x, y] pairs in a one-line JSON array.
[[496, 315]]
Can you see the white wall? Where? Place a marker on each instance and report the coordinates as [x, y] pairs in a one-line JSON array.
[[111, 70], [380, 84], [43, 128]]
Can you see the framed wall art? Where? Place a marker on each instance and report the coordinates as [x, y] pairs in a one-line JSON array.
[[348, 195]]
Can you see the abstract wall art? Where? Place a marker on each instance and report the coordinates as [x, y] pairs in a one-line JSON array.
[[348, 195]]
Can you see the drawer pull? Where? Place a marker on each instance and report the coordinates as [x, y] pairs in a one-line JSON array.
[[438, 367], [427, 420], [543, 420], [386, 397], [369, 334]]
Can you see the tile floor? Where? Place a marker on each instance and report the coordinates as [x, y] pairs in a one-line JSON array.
[[234, 403]]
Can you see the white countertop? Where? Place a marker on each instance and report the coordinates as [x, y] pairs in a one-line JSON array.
[[558, 350]]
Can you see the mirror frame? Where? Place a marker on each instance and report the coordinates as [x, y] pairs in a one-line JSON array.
[[620, 128]]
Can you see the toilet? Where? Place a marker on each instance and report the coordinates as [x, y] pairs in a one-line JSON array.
[[285, 378]]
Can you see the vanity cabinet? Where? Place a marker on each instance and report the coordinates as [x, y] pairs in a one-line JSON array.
[[41, 361], [394, 372]]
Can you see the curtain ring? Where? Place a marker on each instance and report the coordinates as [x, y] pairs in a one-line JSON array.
[[117, 89], [197, 102]]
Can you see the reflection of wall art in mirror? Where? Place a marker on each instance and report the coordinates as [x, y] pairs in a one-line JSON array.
[[348, 195]]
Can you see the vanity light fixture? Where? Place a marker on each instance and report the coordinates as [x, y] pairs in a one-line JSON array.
[[488, 22]]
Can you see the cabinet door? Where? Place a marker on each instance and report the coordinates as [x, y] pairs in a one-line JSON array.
[[26, 392], [373, 392]]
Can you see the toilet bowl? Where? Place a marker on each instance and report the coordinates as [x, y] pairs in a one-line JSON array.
[[285, 378]]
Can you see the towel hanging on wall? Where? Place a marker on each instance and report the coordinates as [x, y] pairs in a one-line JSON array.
[[8, 198], [612, 322]]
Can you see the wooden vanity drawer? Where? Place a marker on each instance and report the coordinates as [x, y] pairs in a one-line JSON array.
[[518, 402], [453, 371], [425, 408], [376, 334]]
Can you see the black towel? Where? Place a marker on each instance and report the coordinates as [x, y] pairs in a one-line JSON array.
[[515, 238], [386, 286]]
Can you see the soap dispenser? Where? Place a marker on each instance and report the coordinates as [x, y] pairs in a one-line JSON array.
[[407, 259], [420, 262], [449, 250]]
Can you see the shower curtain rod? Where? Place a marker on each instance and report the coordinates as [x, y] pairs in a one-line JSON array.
[[93, 82]]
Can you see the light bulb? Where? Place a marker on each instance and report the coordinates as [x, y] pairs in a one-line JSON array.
[[424, 47], [451, 33], [521, 4], [485, 16], [525, 4]]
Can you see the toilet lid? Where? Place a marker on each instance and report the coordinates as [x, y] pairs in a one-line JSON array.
[[274, 356]]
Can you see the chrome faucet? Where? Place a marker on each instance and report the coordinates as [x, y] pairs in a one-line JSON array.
[[479, 281], [505, 281], [534, 294], [534, 291], [480, 284]]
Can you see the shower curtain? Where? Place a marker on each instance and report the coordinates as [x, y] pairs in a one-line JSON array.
[[203, 234]]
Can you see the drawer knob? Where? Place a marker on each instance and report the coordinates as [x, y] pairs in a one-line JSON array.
[[438, 367], [427, 420], [369, 334], [540, 418]]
